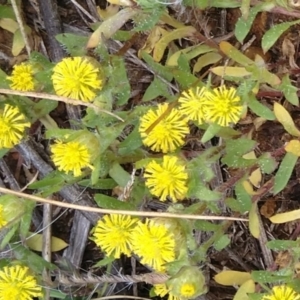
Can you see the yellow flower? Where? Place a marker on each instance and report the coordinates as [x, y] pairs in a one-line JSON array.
[[70, 157], [223, 106], [154, 244], [113, 234], [192, 104], [282, 292], [188, 283], [77, 78], [17, 284], [168, 179], [22, 78], [3, 221], [12, 126], [169, 131], [162, 290]]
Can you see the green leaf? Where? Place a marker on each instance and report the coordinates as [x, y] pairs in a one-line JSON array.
[[101, 184], [269, 276], [273, 34], [197, 189], [284, 173], [119, 81], [222, 242], [267, 163], [243, 197], [120, 176], [73, 43], [7, 12], [205, 225], [235, 149], [104, 262], [159, 69], [107, 202], [260, 109], [36, 262], [44, 107], [146, 20], [242, 27], [210, 132], [281, 245], [131, 143], [289, 91], [155, 89]]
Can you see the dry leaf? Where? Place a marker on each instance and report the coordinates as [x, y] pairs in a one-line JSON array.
[[160, 47], [254, 226], [35, 242], [232, 278], [286, 217], [230, 71], [268, 208], [245, 289], [293, 146], [110, 26], [285, 119]]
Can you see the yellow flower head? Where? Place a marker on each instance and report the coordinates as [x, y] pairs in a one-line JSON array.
[[3, 221], [154, 244], [169, 131], [22, 78], [113, 234], [167, 179], [282, 292], [77, 78], [17, 284], [188, 283], [12, 126], [162, 290], [70, 157], [223, 106], [191, 104]]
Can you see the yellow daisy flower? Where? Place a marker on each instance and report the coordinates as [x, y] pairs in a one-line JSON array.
[[154, 244], [282, 292], [169, 132], [223, 106], [191, 104], [22, 78], [71, 157], [17, 284], [113, 234], [161, 290], [77, 78], [167, 179], [3, 221], [12, 126]]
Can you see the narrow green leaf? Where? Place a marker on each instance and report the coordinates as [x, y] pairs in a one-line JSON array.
[[119, 175], [155, 89], [273, 34], [284, 173], [260, 109], [289, 90], [281, 245], [222, 242], [107, 202], [210, 132], [243, 197]]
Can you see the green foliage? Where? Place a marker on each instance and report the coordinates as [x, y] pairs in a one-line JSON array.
[[284, 172]]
